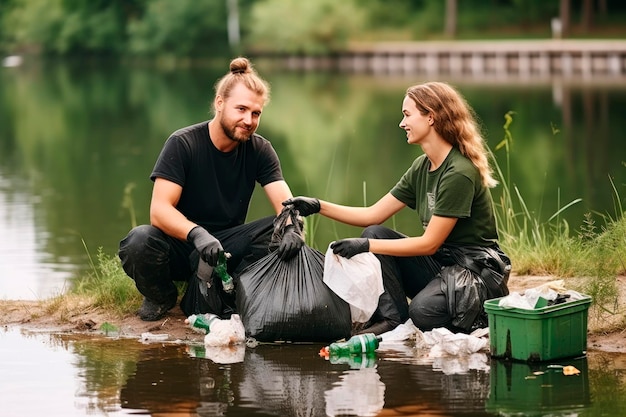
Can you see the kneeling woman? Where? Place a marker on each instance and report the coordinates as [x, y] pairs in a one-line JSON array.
[[456, 264]]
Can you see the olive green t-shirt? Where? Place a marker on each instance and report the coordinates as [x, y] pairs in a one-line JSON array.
[[452, 190]]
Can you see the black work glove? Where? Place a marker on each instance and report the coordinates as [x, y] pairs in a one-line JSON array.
[[350, 247], [305, 205], [290, 244], [206, 244]]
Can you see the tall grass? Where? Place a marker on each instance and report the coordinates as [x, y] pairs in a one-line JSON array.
[[108, 286], [594, 254]]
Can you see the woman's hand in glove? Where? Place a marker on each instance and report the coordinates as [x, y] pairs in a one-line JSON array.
[[350, 247], [305, 205]]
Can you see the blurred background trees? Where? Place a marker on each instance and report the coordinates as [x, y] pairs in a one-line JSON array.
[[200, 28]]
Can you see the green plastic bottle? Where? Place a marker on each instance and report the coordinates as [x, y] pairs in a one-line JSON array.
[[356, 345], [222, 272], [366, 360], [201, 322]]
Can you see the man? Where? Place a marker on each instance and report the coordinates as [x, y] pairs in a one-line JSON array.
[[203, 183]]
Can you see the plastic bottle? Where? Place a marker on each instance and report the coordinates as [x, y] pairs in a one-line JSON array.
[[366, 360], [201, 322], [356, 345], [196, 351], [222, 272]]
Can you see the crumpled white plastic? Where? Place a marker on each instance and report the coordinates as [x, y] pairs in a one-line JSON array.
[[226, 332], [401, 333], [358, 281], [527, 299], [442, 342], [447, 352]]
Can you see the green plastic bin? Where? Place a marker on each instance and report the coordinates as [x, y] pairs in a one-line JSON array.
[[542, 334]]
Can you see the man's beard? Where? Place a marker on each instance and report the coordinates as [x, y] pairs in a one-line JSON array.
[[231, 133]]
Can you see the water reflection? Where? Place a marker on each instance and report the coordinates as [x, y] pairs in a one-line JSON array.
[[73, 375], [537, 390]]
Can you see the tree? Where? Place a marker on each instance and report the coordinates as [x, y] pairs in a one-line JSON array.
[[565, 13], [587, 15], [311, 27], [451, 18], [180, 28]]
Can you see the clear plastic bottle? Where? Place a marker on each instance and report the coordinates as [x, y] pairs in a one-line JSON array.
[[222, 272], [356, 345], [201, 322]]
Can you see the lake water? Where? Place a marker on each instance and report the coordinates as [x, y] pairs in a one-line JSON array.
[[71, 375], [78, 141]]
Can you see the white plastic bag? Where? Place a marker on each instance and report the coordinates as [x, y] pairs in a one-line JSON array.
[[358, 281]]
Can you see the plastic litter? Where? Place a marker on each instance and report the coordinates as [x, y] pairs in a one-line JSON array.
[[550, 293], [442, 342], [154, 337], [219, 332], [356, 345], [358, 281], [222, 272]]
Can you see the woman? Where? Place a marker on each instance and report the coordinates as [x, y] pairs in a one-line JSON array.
[[456, 264]]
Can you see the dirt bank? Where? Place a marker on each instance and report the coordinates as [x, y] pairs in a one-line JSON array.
[[606, 332]]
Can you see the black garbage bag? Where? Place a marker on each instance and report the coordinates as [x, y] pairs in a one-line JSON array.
[[288, 300], [466, 294], [476, 274]]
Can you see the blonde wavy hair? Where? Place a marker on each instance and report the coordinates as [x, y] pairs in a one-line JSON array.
[[242, 71], [455, 120]]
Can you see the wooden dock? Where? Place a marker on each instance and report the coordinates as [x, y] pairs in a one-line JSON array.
[[497, 59]]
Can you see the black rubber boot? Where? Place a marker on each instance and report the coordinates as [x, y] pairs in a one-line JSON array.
[[152, 311]]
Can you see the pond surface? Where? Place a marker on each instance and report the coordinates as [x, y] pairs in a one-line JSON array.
[[71, 375]]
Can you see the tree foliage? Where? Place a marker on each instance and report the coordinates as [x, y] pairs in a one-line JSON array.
[[197, 28], [309, 27], [181, 27]]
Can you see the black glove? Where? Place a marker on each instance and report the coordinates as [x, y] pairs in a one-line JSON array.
[[206, 244], [350, 247], [305, 205], [290, 244]]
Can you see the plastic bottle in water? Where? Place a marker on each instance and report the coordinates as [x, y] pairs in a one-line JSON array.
[[366, 360], [356, 345], [201, 322], [222, 272]]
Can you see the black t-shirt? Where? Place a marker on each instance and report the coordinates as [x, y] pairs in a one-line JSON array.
[[217, 186]]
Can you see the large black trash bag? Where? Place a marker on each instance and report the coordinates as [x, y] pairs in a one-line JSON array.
[[288, 300]]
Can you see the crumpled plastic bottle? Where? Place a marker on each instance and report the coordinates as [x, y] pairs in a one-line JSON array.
[[205, 272], [201, 322], [356, 345], [222, 272]]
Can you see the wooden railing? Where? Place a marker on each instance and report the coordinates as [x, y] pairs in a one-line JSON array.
[[520, 59]]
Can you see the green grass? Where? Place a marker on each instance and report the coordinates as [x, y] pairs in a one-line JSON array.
[[108, 286]]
